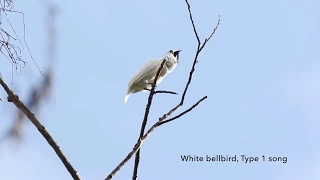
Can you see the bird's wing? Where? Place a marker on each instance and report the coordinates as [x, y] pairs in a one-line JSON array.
[[148, 68]]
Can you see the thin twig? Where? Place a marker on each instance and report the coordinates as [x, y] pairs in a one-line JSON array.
[[213, 32], [12, 97], [24, 32], [161, 91], [184, 112], [167, 92], [7, 48], [192, 22]]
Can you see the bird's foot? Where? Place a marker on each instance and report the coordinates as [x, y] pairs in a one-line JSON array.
[[147, 89], [147, 82]]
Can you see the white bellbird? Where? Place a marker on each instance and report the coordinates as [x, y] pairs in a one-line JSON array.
[[144, 78]]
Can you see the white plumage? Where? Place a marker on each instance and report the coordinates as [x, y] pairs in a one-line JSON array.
[[145, 76]]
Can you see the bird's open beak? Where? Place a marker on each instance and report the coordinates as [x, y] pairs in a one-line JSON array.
[[176, 53]]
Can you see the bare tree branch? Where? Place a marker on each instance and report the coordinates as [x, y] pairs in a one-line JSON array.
[[146, 114], [189, 80], [163, 120], [12, 97]]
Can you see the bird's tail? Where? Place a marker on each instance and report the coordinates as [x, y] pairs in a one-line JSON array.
[[127, 97]]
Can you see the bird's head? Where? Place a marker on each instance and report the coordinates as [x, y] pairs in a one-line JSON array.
[[175, 54]]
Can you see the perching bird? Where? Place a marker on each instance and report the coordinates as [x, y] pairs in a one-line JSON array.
[[144, 78]]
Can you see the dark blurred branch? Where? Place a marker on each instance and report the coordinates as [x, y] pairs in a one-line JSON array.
[[16, 130], [36, 95], [12, 97], [162, 120], [13, 54]]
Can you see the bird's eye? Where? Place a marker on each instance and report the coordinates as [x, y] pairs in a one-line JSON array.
[[170, 51]]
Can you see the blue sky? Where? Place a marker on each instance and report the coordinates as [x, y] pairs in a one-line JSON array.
[[260, 72]]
